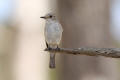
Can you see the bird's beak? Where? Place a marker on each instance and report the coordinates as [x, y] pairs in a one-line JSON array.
[[43, 17]]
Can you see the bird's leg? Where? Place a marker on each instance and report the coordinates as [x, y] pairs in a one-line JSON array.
[[57, 48], [48, 46]]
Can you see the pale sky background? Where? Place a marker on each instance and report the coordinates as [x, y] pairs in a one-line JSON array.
[[115, 19], [7, 8]]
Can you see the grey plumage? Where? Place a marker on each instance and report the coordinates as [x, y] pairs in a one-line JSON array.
[[53, 34]]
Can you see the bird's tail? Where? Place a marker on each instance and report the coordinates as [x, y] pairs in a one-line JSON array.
[[52, 60]]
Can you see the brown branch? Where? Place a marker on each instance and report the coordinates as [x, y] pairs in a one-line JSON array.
[[107, 52]]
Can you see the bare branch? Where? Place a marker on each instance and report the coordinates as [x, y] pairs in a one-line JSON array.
[[107, 52]]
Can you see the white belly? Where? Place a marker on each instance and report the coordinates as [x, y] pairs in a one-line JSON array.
[[53, 34]]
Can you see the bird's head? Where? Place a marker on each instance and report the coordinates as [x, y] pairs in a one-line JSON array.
[[49, 16]]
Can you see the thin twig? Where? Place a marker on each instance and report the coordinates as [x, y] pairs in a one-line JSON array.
[[107, 52]]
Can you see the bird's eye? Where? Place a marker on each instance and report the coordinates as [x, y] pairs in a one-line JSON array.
[[50, 16]]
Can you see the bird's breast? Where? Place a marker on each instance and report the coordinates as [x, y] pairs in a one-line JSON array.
[[53, 33]]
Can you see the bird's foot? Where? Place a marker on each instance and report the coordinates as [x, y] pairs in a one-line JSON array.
[[57, 48], [49, 48]]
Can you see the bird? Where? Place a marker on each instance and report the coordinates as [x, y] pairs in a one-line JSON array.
[[53, 34]]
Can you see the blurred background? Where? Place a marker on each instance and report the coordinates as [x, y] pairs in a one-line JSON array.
[[86, 23]]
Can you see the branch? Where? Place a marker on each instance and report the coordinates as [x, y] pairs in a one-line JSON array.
[[107, 52]]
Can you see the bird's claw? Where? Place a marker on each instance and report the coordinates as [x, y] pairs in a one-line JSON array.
[[57, 48], [49, 48]]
